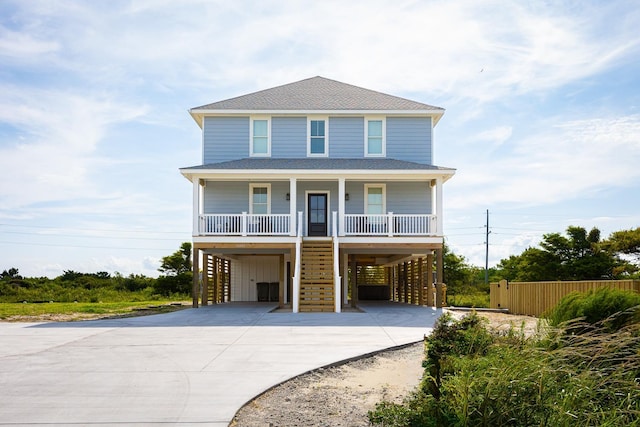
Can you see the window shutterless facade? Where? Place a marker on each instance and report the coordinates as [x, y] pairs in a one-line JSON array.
[[260, 137], [317, 144]]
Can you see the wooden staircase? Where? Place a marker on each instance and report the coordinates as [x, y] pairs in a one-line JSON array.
[[316, 275]]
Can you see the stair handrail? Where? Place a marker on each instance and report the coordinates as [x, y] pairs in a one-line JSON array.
[[297, 268], [337, 280]]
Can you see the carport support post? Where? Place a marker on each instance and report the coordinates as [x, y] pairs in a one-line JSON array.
[[440, 266], [429, 275], [205, 279], [283, 267], [354, 280], [420, 281], [196, 274], [405, 285]]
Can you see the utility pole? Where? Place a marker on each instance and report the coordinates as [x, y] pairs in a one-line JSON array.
[[486, 253]]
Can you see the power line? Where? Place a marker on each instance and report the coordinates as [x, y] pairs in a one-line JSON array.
[[89, 236], [86, 246], [95, 229]]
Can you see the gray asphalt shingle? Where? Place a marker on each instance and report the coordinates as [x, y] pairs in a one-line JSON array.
[[318, 93]]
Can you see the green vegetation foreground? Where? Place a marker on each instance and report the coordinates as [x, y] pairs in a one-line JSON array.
[[578, 372]]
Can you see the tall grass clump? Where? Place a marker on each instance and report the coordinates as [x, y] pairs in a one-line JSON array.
[[596, 306], [475, 376]]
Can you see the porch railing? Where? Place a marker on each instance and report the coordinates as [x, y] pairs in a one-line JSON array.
[[245, 224], [389, 225]]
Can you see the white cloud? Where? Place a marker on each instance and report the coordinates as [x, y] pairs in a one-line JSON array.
[[50, 153], [563, 162], [464, 49]]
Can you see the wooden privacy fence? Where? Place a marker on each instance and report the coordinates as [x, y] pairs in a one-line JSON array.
[[534, 298]]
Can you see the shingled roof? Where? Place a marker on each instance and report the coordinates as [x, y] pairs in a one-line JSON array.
[[318, 93]]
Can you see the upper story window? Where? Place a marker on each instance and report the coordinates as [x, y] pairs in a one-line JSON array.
[[375, 141], [260, 202], [374, 202], [317, 144], [260, 137]]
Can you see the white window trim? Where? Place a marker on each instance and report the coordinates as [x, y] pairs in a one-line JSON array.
[[259, 185], [268, 120], [326, 136], [367, 119], [384, 197]]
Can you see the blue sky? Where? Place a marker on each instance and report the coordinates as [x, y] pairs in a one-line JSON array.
[[542, 114]]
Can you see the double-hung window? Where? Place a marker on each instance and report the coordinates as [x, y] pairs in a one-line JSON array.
[[374, 203], [260, 200], [260, 141], [317, 142], [375, 141]]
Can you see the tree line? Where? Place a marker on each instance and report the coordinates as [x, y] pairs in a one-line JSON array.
[[174, 282], [577, 254]]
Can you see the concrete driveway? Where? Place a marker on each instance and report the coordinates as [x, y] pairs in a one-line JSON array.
[[191, 367]]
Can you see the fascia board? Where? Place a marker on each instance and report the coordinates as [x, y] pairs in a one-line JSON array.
[[279, 174], [197, 114]]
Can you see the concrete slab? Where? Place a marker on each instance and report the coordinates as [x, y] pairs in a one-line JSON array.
[[191, 367]]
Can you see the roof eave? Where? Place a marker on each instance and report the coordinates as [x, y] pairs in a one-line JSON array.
[[198, 114], [326, 174]]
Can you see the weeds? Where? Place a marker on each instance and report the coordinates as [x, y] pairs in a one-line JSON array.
[[477, 377]]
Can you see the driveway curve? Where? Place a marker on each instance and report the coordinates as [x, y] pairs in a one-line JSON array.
[[190, 367]]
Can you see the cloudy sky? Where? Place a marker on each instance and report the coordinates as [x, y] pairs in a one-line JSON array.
[[542, 114]]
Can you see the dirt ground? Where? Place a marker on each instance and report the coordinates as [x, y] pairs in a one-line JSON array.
[[343, 395]]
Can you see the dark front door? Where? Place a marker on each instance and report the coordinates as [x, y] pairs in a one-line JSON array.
[[317, 215]]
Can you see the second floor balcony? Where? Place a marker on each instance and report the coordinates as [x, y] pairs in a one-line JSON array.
[[245, 224]]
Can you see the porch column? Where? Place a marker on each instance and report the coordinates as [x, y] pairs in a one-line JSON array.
[[292, 206], [341, 196], [196, 206], [439, 210]]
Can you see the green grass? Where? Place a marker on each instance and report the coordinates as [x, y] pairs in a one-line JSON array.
[[476, 300], [81, 309]]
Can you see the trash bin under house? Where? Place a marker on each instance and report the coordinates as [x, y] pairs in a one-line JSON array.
[[274, 291], [263, 291]]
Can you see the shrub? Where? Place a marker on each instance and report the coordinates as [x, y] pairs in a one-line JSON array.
[[596, 306], [489, 379]]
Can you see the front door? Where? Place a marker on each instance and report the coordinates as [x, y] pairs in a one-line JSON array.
[[317, 214]]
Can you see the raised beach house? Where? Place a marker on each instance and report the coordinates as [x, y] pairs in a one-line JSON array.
[[302, 186]]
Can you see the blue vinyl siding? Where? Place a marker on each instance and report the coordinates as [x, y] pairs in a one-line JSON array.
[[288, 137], [401, 197], [233, 197], [346, 137], [279, 202], [409, 197], [225, 138], [409, 139], [226, 197]]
